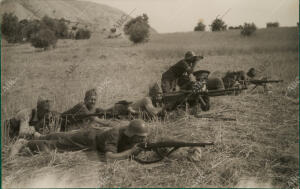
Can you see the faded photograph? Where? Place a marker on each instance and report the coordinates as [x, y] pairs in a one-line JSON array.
[[149, 93]]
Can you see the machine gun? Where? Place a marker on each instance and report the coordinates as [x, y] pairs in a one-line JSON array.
[[259, 82], [165, 148], [263, 81], [173, 100], [211, 93], [223, 92]]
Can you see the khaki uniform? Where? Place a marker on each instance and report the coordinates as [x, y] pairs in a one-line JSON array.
[[170, 77], [69, 120], [22, 124], [142, 107], [112, 140]]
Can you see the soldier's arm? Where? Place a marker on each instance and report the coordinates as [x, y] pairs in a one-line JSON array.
[[102, 122], [111, 147], [150, 108], [24, 117], [193, 65], [119, 156]]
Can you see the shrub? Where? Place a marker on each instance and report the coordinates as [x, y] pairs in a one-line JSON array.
[[113, 30], [272, 25], [11, 28], [49, 22], [248, 29], [44, 39], [31, 29], [218, 25], [200, 27], [235, 27], [59, 27], [138, 29], [83, 34]]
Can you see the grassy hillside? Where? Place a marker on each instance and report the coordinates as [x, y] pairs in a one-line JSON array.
[[259, 149], [96, 16]]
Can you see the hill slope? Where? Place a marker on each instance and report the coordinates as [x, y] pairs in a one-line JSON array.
[[96, 16]]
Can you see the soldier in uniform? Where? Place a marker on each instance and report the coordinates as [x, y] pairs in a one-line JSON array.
[[175, 100], [184, 66], [116, 143], [252, 75], [201, 85], [87, 107], [148, 107], [28, 122], [230, 79]]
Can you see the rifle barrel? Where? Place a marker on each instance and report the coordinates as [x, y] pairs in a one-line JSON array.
[[170, 144], [210, 92], [265, 81]]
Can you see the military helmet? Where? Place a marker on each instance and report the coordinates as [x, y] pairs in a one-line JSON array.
[[190, 54], [251, 72], [200, 72], [136, 127]]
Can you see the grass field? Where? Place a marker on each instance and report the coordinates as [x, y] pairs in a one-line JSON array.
[[260, 149]]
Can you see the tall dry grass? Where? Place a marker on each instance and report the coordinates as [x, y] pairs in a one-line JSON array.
[[262, 143]]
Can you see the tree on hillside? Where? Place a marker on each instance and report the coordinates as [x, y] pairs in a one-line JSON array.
[[200, 26], [272, 25], [31, 29], [11, 28], [83, 34], [248, 29], [49, 22], [59, 27], [44, 39], [138, 29], [218, 25], [235, 27]]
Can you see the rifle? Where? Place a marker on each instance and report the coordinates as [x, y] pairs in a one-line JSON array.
[[211, 93], [159, 146], [261, 82], [83, 116], [217, 118], [223, 92]]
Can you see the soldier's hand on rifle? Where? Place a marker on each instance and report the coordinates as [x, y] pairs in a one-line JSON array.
[[135, 150], [192, 78]]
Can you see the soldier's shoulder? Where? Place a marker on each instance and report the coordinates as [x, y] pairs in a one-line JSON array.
[[24, 112], [113, 132], [146, 100], [77, 108], [182, 61]]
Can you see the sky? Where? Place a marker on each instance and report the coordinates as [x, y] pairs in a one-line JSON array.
[[167, 16]]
